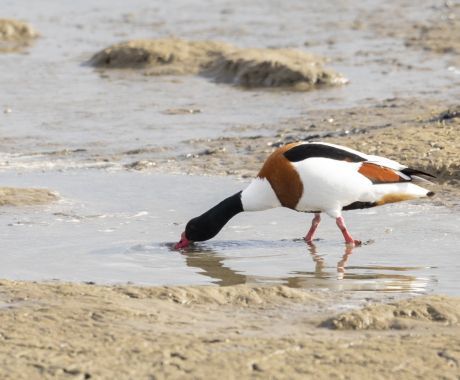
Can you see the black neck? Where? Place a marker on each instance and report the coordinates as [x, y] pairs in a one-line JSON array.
[[208, 225]]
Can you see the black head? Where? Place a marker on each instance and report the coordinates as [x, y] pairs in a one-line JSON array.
[[208, 225], [201, 228]]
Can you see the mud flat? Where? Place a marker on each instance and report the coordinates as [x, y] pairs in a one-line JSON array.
[[54, 330], [439, 36], [15, 35], [10, 196], [421, 134], [437, 31], [286, 68]]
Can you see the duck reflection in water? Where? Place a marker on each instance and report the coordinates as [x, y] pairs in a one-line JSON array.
[[213, 265], [319, 261]]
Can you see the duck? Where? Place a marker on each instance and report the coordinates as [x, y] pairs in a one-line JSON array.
[[314, 177]]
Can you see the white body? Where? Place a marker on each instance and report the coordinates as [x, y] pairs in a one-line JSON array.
[[259, 195], [329, 185]]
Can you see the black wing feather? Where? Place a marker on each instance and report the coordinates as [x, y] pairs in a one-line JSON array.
[[303, 151], [410, 172]]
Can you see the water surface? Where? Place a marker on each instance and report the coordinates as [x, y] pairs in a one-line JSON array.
[[119, 227]]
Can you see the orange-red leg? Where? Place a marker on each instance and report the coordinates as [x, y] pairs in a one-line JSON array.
[[348, 238], [314, 225]]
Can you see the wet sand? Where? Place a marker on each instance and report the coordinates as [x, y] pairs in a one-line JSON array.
[[84, 331]]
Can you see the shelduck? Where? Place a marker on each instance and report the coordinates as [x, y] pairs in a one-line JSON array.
[[314, 177]]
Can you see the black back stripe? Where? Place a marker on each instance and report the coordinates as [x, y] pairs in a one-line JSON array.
[[303, 151]]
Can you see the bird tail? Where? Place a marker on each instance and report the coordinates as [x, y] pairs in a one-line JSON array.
[[397, 192]]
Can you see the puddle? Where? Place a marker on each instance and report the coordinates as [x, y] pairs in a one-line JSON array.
[[117, 227]]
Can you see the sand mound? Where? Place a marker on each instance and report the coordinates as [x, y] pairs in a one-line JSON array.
[[10, 196], [273, 68], [241, 295], [15, 34], [160, 57], [221, 62], [399, 315], [13, 30]]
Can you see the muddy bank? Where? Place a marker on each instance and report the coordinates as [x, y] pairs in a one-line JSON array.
[[221, 62], [15, 35], [423, 135], [87, 331], [10, 196]]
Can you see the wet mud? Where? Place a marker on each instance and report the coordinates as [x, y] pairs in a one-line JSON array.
[[250, 68]]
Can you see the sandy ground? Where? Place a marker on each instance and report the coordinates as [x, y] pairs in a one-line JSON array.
[[86, 331]]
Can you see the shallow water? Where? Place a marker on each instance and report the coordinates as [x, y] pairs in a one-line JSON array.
[[119, 227]]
